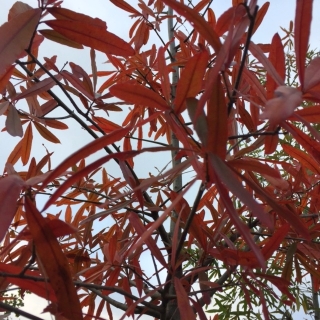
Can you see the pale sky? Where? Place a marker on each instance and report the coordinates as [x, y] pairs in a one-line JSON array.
[[279, 14]]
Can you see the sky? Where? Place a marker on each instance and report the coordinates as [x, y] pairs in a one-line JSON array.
[[279, 14]]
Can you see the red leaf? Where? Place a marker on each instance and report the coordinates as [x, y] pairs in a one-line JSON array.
[[43, 85], [258, 53], [276, 57], [184, 306], [66, 14], [5, 77], [233, 214], [15, 37], [311, 114], [59, 38], [217, 119], [84, 152], [198, 22], [190, 82], [302, 25], [137, 94], [10, 188], [274, 242], [106, 125], [149, 241], [286, 213], [41, 289], [164, 74], [54, 262], [92, 36], [231, 182]]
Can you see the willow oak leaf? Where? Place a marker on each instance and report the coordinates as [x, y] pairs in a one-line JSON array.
[[282, 106]]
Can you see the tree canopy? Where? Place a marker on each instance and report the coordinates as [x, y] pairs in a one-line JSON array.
[[197, 193]]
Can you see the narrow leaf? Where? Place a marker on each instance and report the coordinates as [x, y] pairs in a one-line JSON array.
[[217, 119], [59, 38], [150, 242], [26, 145], [86, 151], [137, 94], [125, 6], [302, 24], [66, 14], [191, 79], [260, 15], [54, 262], [184, 306], [258, 53], [39, 87], [231, 182], [92, 36], [45, 133]]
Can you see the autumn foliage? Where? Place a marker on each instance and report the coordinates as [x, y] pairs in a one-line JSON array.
[[245, 218]]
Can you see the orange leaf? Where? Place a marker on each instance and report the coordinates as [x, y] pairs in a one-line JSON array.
[[125, 6], [302, 157], [26, 145], [66, 14], [15, 153], [92, 36], [15, 36], [302, 25], [190, 82], [149, 241], [56, 124], [54, 262], [260, 15], [142, 35], [106, 125], [86, 151], [198, 23], [137, 94], [59, 38], [45, 133]]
